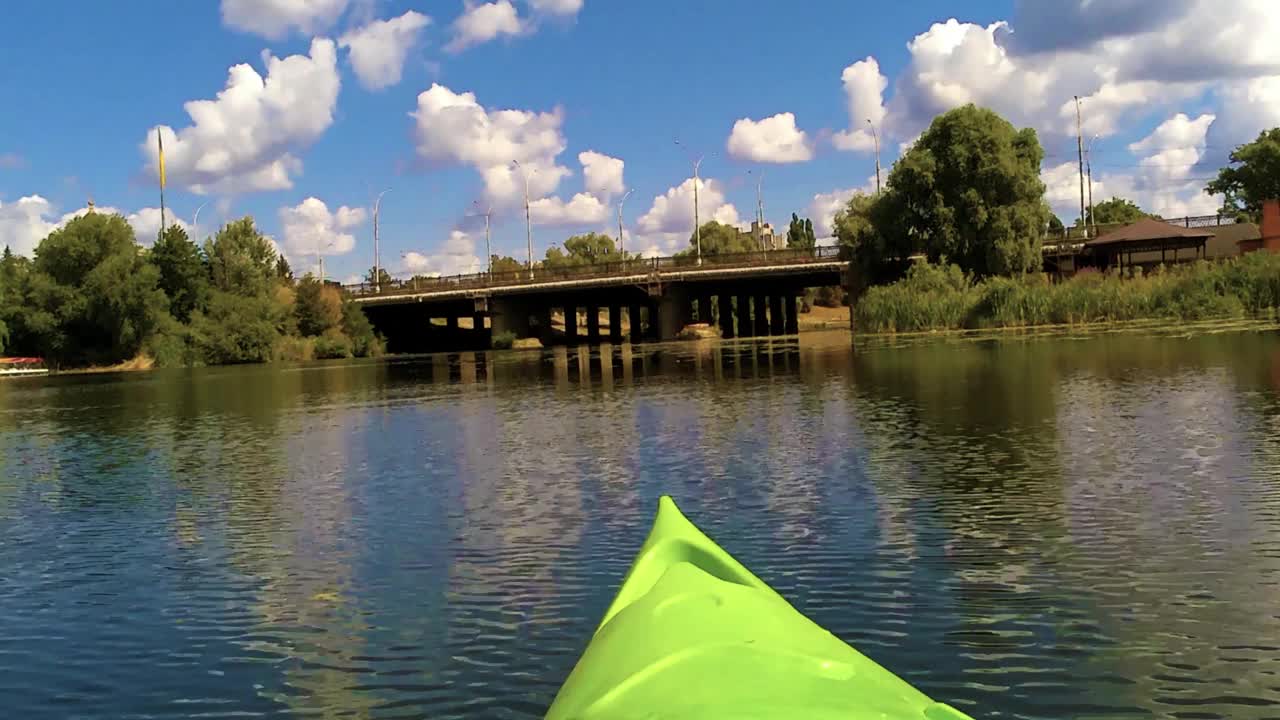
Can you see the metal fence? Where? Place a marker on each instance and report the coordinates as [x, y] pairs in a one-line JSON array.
[[1080, 234], [586, 271]]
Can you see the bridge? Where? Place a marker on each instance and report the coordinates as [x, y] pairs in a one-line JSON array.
[[742, 294]]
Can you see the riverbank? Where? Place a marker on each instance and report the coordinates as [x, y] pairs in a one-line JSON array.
[[943, 298]]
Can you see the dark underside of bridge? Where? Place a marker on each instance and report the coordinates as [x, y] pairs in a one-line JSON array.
[[563, 314]]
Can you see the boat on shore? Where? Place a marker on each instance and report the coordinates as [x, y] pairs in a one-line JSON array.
[[22, 366], [694, 634]]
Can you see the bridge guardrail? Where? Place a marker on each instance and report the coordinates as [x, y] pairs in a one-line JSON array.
[[587, 271]]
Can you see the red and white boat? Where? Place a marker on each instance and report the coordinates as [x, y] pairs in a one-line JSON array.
[[19, 366]]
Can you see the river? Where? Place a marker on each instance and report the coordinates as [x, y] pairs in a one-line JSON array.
[[1059, 527]]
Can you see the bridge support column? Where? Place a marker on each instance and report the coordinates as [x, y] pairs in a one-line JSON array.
[[704, 309], [673, 313], [451, 323], [615, 324], [478, 330], [593, 324], [571, 324], [761, 319], [744, 316], [793, 314], [508, 315], [724, 306], [637, 324], [776, 324]]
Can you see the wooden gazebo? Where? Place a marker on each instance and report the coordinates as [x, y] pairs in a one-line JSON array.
[[1145, 238]]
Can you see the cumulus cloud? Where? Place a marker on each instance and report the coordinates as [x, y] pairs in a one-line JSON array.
[[864, 88], [310, 229], [28, 220], [566, 8], [582, 209], [452, 128], [823, 207], [774, 139], [482, 22], [274, 19], [602, 175], [455, 256], [246, 138], [378, 50], [146, 224], [669, 221]]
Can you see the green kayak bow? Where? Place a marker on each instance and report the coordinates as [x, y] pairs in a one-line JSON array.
[[693, 634]]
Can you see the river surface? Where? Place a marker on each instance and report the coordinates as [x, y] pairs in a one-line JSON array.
[[1025, 528]]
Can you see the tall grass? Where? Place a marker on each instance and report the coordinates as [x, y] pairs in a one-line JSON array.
[[934, 297]]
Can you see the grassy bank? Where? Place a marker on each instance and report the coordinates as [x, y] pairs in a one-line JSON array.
[[934, 297]]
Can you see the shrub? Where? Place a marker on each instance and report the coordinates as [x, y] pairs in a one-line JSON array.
[[503, 340], [332, 345]]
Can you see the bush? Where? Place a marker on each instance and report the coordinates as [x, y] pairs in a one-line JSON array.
[[235, 329], [503, 340], [332, 345], [291, 348]]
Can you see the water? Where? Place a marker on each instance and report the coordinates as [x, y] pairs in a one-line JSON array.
[[1043, 528]]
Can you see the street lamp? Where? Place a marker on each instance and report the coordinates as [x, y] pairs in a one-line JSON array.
[[759, 228], [1088, 164], [622, 248], [195, 219], [875, 136], [487, 254], [528, 219], [377, 265], [697, 226]]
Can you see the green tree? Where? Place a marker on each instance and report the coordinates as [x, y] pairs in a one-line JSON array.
[[1252, 176], [183, 276], [382, 275], [236, 328], [969, 191], [318, 307], [506, 264], [355, 324], [583, 250], [720, 239], [241, 259], [98, 294], [1115, 210], [800, 234], [283, 270], [1056, 228]]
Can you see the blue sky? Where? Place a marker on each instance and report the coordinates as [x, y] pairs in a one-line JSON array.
[[1165, 97]]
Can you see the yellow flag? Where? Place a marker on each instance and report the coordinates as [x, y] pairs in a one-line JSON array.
[[160, 145]]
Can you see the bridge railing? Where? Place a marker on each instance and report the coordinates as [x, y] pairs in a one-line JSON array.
[[586, 271]]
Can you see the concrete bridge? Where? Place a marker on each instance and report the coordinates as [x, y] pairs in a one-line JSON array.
[[744, 295]]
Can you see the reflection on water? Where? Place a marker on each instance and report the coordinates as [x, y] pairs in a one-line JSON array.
[[1039, 528]]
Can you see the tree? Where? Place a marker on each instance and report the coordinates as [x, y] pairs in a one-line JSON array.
[[183, 276], [318, 307], [969, 191], [241, 259], [96, 296], [1114, 211], [1253, 175], [381, 278], [800, 234], [506, 264], [283, 271], [721, 239], [1056, 228], [236, 328], [355, 324], [584, 250]]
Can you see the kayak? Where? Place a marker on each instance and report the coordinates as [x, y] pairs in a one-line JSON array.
[[693, 634]]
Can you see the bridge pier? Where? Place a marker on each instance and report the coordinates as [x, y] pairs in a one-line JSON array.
[[744, 316], [637, 324], [762, 320], [776, 323], [674, 312], [724, 306], [593, 324], [508, 315], [704, 309], [793, 314], [615, 324], [451, 323], [570, 324]]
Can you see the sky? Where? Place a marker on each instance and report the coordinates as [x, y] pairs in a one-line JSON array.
[[302, 112]]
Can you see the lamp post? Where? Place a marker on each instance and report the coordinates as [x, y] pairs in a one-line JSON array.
[[488, 255], [622, 248], [875, 136], [528, 219], [1088, 169], [697, 226], [195, 219], [377, 265]]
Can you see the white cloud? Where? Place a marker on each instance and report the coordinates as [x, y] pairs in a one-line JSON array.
[[455, 256], [774, 139], [245, 139], [378, 50], [556, 7], [146, 224], [602, 175], [310, 229], [864, 91], [28, 220], [452, 128], [274, 19], [824, 206], [582, 209], [483, 22], [670, 218]]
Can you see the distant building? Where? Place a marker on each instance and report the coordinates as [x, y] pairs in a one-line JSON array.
[[1268, 236], [1151, 241], [763, 236]]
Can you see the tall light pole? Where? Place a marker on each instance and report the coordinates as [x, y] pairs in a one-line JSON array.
[[622, 248], [875, 136], [697, 180], [1084, 219], [528, 219], [1088, 169], [195, 219], [377, 264], [488, 255]]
